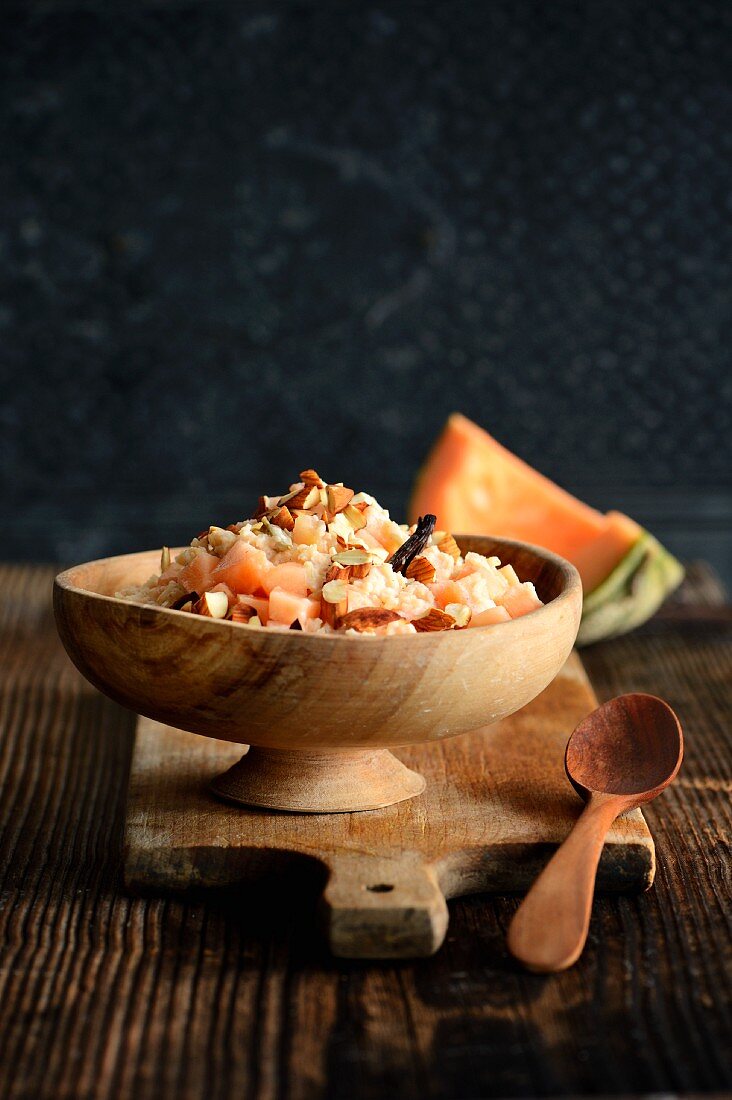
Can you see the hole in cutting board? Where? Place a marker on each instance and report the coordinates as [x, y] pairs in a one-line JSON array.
[[380, 888]]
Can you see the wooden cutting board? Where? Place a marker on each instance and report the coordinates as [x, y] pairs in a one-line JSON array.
[[496, 805]]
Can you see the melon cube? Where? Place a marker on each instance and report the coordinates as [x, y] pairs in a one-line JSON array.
[[197, 575], [489, 615], [291, 576], [386, 532], [306, 531], [520, 600], [449, 592], [244, 568], [285, 608]]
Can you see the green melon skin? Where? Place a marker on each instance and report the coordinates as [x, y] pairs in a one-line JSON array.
[[633, 592]]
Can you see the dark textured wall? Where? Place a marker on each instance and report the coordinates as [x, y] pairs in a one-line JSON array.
[[240, 239]]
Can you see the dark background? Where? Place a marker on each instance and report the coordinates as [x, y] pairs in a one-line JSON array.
[[239, 239]]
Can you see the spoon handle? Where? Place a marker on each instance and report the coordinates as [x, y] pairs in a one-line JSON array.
[[550, 927]]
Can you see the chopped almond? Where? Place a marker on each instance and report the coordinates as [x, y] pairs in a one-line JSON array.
[[221, 587], [448, 545], [311, 477], [461, 613], [368, 618], [356, 560], [262, 506], [283, 518], [433, 620], [214, 605], [304, 498], [336, 591], [420, 569], [358, 572], [164, 558], [338, 497], [334, 596], [355, 517], [240, 613]]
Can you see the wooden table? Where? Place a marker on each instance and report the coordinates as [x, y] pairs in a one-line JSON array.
[[102, 995]]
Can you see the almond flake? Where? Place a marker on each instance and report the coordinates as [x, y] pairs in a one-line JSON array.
[[352, 557], [460, 612], [420, 569], [433, 620], [282, 518], [164, 558], [215, 605], [368, 618], [447, 545], [334, 596], [335, 591]]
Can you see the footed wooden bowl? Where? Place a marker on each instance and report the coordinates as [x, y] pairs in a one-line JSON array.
[[317, 710]]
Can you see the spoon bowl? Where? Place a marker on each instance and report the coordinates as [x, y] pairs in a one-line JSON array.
[[631, 745]]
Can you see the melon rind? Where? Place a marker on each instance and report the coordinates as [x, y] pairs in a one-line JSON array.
[[633, 592]]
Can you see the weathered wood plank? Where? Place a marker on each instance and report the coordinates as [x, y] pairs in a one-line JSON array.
[[497, 803], [105, 996]]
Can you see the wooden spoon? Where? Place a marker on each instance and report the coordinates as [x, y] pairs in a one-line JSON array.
[[620, 756]]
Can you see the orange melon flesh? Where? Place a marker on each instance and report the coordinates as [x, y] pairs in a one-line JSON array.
[[290, 576], [243, 568], [285, 608], [475, 486], [197, 576]]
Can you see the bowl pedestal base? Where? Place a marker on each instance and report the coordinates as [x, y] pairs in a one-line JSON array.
[[339, 781]]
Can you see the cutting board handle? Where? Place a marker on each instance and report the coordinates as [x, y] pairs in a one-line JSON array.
[[380, 907]]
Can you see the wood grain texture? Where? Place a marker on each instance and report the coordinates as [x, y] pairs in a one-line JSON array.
[[104, 996], [497, 802], [291, 690]]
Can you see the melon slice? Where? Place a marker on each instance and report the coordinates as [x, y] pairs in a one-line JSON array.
[[475, 486]]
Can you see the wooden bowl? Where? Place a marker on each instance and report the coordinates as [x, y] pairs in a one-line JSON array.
[[318, 710]]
